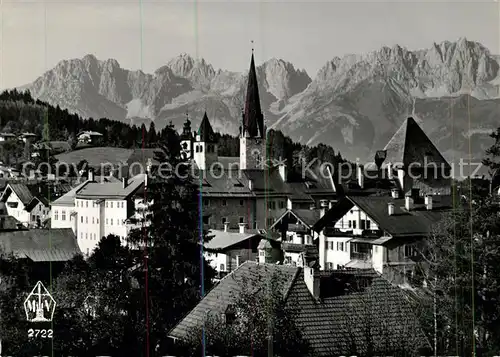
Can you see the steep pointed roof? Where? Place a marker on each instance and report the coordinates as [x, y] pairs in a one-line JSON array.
[[186, 130], [411, 145], [205, 131], [253, 120]]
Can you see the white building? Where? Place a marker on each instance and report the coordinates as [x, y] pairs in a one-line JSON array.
[[98, 208], [87, 137]]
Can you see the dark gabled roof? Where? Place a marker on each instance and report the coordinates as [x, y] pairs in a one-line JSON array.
[[226, 292], [253, 120], [411, 145], [417, 222], [306, 216], [350, 303], [41, 245], [32, 194], [205, 131]]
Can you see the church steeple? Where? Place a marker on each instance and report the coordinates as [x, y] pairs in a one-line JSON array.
[[253, 120]]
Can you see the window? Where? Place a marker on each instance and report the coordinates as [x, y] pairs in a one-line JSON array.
[[56, 215], [111, 204], [242, 219], [206, 202], [271, 205], [354, 224], [81, 219], [262, 253], [242, 202], [222, 267], [63, 215], [86, 204], [106, 204], [368, 224], [111, 221], [201, 148], [376, 249], [340, 246], [86, 235], [92, 220], [350, 224], [123, 204], [223, 219], [86, 219], [107, 221], [224, 202], [409, 251], [330, 245], [362, 224], [282, 204]]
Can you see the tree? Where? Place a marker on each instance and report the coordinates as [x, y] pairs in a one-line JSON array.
[[72, 141], [462, 274], [97, 309], [259, 320], [175, 271]]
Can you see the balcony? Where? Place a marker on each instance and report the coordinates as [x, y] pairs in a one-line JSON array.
[[361, 256], [335, 232], [297, 228]]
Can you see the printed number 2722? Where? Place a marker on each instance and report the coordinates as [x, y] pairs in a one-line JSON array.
[[37, 333]]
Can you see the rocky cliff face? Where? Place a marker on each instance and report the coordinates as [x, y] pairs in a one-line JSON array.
[[355, 103]]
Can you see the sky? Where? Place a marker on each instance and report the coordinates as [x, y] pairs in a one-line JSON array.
[[35, 34]]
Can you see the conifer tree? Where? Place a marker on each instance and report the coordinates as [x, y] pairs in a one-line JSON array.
[[174, 273]]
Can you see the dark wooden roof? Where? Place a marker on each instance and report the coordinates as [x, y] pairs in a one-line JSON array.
[[205, 130], [350, 302], [416, 222], [41, 245]]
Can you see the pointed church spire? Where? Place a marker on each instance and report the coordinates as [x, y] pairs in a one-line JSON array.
[[253, 120], [205, 131]]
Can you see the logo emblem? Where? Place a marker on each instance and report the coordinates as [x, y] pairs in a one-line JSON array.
[[39, 305]]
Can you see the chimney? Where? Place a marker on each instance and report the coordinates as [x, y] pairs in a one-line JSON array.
[[390, 208], [282, 170], [124, 182], [389, 171], [361, 176], [323, 204], [242, 227], [237, 261], [146, 180], [409, 203], [91, 175], [226, 226], [428, 202], [395, 193], [312, 282], [330, 204], [379, 158], [250, 184]]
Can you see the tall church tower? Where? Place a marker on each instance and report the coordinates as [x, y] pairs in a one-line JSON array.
[[187, 141], [205, 145], [252, 132]]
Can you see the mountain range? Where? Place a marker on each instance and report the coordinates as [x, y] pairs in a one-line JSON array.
[[355, 103]]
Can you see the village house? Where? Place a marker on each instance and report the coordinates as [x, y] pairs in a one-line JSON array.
[[334, 310], [6, 137], [29, 202], [88, 137], [27, 137], [380, 231], [227, 250]]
